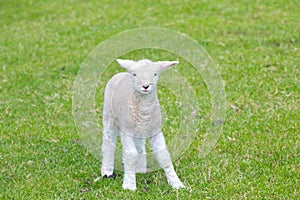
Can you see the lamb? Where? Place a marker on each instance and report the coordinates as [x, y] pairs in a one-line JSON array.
[[132, 110]]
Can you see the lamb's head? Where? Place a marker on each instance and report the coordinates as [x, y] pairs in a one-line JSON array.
[[145, 73]]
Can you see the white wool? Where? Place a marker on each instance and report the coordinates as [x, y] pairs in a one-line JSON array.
[[145, 62]]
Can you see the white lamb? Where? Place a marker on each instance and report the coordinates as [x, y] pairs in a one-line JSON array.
[[132, 110]]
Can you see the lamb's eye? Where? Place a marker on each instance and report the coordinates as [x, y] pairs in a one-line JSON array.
[[134, 74], [155, 74]]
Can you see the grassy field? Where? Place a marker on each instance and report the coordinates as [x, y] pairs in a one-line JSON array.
[[256, 45]]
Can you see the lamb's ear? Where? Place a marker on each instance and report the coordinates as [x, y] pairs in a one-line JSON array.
[[127, 64], [163, 65]]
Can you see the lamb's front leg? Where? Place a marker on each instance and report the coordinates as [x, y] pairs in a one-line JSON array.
[[159, 148], [108, 150], [130, 155]]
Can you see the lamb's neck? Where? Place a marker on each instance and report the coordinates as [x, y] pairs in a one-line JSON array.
[[144, 103], [144, 112], [146, 98]]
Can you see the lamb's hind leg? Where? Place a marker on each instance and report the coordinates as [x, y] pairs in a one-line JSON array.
[[159, 148], [141, 166], [110, 133], [130, 156]]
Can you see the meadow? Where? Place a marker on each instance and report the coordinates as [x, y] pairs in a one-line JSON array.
[[255, 45]]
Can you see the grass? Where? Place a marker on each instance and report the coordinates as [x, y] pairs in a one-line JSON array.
[[255, 44]]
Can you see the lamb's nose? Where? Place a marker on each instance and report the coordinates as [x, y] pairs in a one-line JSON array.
[[145, 87]]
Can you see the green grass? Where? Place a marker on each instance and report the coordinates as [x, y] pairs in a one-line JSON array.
[[255, 44]]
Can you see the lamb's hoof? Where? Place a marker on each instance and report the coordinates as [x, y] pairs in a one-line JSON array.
[[129, 182], [111, 176], [177, 185], [129, 187]]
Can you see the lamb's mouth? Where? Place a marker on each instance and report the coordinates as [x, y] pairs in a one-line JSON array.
[[145, 91]]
